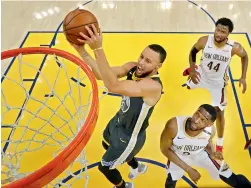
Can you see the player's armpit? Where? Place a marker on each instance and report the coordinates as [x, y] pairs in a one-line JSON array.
[[168, 134], [143, 88], [209, 148], [166, 141], [201, 43], [121, 71]]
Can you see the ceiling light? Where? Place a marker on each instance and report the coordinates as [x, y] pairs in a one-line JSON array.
[[56, 9], [111, 5], [38, 16], [50, 11], [231, 6], [104, 6], [44, 13], [166, 5]]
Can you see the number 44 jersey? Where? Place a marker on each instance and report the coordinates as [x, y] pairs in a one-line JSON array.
[[215, 61]]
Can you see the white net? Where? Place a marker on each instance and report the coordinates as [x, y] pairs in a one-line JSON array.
[[45, 102]]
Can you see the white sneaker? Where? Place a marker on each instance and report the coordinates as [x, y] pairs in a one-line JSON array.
[[128, 185], [142, 168]]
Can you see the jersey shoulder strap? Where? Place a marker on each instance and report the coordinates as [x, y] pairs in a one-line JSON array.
[[131, 72], [230, 43], [209, 43]]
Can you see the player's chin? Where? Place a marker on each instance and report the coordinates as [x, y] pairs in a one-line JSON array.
[[219, 40], [138, 73], [193, 127]]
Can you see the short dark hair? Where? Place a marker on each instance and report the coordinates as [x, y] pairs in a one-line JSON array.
[[226, 22], [211, 110], [160, 50]]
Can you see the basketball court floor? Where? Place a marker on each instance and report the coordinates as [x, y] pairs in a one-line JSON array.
[[128, 27]]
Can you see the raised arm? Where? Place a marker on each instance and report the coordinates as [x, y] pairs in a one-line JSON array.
[[145, 88], [119, 71], [241, 52]]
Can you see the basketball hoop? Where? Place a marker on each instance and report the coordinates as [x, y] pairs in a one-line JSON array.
[[57, 120]]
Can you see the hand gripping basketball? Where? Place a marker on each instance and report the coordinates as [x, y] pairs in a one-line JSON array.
[[95, 39]]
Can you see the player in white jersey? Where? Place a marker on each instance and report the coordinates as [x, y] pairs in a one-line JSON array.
[[187, 142], [212, 73]]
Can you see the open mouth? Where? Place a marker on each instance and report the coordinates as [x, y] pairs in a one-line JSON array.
[[218, 38], [139, 70]]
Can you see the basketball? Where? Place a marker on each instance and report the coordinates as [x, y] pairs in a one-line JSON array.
[[75, 22]]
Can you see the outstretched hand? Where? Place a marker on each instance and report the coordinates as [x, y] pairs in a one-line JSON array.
[[242, 82], [217, 156], [95, 39], [195, 76]]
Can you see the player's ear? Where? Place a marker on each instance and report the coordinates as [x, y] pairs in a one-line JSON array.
[[210, 123], [159, 66]]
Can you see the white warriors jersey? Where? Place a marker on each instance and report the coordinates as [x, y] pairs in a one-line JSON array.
[[215, 61], [186, 145]]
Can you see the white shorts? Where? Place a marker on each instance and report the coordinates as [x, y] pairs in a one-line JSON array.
[[201, 160], [218, 91]]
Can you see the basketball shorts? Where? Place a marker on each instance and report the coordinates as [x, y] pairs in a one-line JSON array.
[[217, 90], [117, 139], [201, 160]]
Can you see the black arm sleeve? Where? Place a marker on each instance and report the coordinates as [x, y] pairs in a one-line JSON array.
[[193, 54]]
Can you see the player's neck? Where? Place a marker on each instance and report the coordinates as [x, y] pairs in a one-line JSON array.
[[193, 133], [152, 75], [190, 132]]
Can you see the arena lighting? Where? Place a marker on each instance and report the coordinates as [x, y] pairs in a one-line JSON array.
[[236, 15], [80, 6], [111, 5], [231, 6], [204, 6], [45, 13], [56, 9], [50, 11], [166, 5], [108, 5], [104, 5], [38, 16]]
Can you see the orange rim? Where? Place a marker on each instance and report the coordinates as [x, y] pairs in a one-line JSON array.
[[51, 170]]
